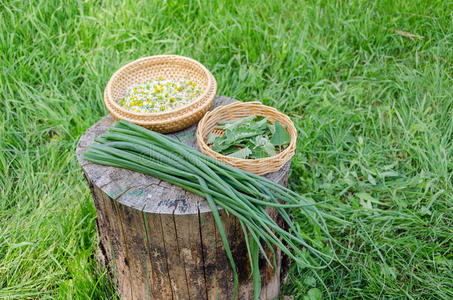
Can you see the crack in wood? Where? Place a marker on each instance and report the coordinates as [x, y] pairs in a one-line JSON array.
[[122, 193], [148, 248], [216, 280], [202, 251], [179, 249], [100, 201], [125, 243], [106, 184], [166, 259]]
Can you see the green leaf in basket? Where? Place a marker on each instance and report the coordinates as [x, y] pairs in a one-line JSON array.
[[258, 153], [211, 138], [238, 134], [262, 123], [232, 124], [229, 150], [250, 137], [269, 149], [220, 145], [271, 127], [281, 136], [262, 142], [243, 153]]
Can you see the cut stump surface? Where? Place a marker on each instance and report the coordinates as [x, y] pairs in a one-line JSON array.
[[161, 242]]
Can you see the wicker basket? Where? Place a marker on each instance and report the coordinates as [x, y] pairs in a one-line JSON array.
[[165, 66], [239, 110]]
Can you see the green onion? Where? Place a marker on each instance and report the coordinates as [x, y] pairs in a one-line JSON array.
[[239, 193]]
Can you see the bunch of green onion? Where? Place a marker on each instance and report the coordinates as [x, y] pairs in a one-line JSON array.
[[239, 193]]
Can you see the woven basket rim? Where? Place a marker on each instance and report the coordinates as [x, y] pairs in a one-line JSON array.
[[284, 155], [108, 89]]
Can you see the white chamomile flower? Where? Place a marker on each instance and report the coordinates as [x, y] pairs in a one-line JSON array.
[[160, 95]]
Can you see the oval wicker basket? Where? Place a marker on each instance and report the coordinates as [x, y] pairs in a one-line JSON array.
[[165, 66], [239, 110]]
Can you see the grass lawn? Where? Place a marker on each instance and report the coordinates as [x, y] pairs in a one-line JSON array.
[[373, 106]]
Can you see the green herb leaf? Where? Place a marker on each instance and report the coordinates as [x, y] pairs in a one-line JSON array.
[[271, 127], [243, 153], [263, 143], [269, 149], [220, 145], [261, 124], [281, 136], [258, 153], [232, 124], [211, 138], [256, 133], [233, 136], [229, 150]]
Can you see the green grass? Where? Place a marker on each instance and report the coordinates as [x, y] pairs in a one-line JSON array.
[[374, 110]]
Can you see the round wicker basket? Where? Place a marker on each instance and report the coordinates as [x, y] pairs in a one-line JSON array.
[[239, 110], [165, 66]]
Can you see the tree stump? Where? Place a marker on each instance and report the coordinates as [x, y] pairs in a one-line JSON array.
[[161, 242]]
